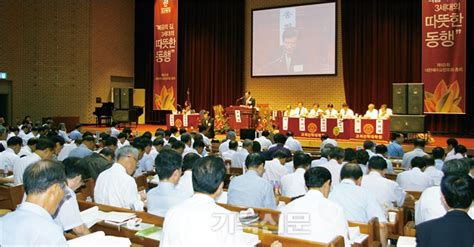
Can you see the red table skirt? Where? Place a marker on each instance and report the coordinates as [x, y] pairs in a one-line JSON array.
[[336, 128], [189, 122]]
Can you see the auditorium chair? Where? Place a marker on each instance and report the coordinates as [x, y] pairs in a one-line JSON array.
[[11, 197], [268, 239], [371, 229]]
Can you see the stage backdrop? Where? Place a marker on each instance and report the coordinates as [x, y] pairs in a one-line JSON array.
[[211, 53], [382, 45], [165, 64], [444, 56]]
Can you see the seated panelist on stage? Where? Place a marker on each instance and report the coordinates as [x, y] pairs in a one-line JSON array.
[[300, 111], [330, 111], [315, 112], [288, 112], [345, 112], [371, 112], [384, 112]]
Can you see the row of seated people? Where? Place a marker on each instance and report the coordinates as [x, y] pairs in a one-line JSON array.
[[344, 112], [323, 219], [140, 154]]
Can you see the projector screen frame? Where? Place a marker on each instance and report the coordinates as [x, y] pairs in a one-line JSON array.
[[295, 5]]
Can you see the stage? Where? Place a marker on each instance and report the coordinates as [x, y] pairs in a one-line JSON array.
[[305, 142]]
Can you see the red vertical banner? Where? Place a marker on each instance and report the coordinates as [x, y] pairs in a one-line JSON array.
[[165, 66], [444, 56]]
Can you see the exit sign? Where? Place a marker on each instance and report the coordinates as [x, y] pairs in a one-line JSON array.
[[3, 75]]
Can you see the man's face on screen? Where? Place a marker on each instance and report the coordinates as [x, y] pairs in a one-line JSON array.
[[289, 45]]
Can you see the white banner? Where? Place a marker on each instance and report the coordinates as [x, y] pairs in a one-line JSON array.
[[323, 124], [285, 123], [357, 125], [171, 119], [340, 125], [185, 120], [302, 124], [379, 127], [274, 114], [237, 116]]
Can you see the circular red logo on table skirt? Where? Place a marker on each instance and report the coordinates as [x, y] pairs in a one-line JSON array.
[[368, 129], [312, 127]]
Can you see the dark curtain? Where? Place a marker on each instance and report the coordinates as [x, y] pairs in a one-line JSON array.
[[210, 53], [382, 45]]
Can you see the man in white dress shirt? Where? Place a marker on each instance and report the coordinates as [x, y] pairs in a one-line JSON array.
[[460, 152], [300, 110], [29, 148], [418, 151], [44, 151], [238, 158], [330, 112], [9, 157], [326, 140], [382, 151], [384, 112], [62, 132], [292, 144], [371, 112], [358, 203], [369, 147], [166, 195], [293, 184], [199, 221], [185, 183], [227, 155], [315, 112], [334, 165], [451, 144], [199, 148], [434, 174], [345, 112], [324, 156], [324, 219], [438, 156], [385, 190], [415, 179], [188, 141], [231, 136], [264, 140], [31, 223], [114, 132], [275, 169], [68, 215], [115, 186], [430, 205]]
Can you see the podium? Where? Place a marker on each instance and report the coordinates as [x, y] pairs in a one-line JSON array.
[[241, 117]]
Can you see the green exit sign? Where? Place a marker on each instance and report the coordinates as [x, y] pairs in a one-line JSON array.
[[3, 75]]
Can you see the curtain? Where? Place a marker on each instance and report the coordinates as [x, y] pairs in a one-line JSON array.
[[210, 53]]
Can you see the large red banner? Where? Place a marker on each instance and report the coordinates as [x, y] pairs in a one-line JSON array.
[[165, 66], [444, 56]]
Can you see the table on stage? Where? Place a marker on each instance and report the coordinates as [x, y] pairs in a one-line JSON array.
[[190, 121], [336, 128]]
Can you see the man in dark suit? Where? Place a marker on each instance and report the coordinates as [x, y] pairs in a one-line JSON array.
[[207, 125], [456, 228], [248, 99]]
